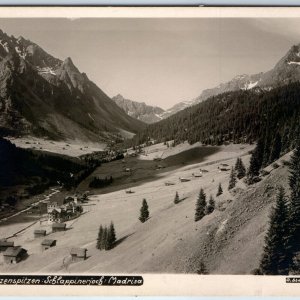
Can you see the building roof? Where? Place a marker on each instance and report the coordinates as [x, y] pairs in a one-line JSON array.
[[48, 242], [58, 225], [40, 231], [6, 244], [80, 252], [14, 251]]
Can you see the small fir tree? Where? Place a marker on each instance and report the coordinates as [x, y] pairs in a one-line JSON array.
[[111, 236], [144, 211], [275, 260], [104, 239], [200, 206], [240, 168], [232, 180], [256, 161], [276, 148], [210, 206], [176, 199], [100, 238], [220, 190]]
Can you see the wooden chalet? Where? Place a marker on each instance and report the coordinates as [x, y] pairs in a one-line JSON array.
[[48, 243], [39, 233], [57, 227], [13, 255], [78, 254]]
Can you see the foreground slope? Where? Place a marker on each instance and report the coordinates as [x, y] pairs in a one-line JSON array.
[[229, 241]]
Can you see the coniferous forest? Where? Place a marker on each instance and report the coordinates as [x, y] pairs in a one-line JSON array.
[[240, 117]]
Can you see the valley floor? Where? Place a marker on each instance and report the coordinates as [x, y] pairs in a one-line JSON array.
[[70, 148], [228, 241]]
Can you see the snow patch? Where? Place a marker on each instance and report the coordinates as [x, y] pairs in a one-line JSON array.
[[45, 70], [4, 45], [250, 85], [293, 63], [22, 55]]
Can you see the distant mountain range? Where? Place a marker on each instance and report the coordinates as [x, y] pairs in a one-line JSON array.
[[43, 96], [139, 110], [287, 70]]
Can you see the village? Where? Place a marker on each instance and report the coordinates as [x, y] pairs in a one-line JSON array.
[[55, 217]]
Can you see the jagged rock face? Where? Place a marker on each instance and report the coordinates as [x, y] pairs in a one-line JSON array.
[[139, 110], [42, 95]]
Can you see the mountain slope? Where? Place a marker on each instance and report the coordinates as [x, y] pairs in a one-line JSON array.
[[44, 96], [139, 110], [239, 117], [287, 70]]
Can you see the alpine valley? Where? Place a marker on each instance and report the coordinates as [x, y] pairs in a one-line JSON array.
[[209, 186]]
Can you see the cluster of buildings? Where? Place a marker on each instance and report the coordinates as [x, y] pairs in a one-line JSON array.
[[57, 215], [61, 213], [14, 254]]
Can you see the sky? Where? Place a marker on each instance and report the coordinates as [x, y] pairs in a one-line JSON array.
[[161, 61]]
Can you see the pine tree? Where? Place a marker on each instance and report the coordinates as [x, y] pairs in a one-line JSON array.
[[256, 161], [104, 238], [200, 206], [220, 190], [294, 207], [276, 148], [176, 199], [240, 168], [99, 239], [266, 147], [111, 236], [144, 212], [275, 260], [232, 180], [210, 206]]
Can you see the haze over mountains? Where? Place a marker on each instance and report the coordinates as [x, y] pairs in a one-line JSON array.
[[44, 96]]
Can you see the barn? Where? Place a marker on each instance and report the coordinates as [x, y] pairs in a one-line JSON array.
[[46, 244], [78, 254], [13, 255], [39, 233], [5, 244], [56, 227]]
